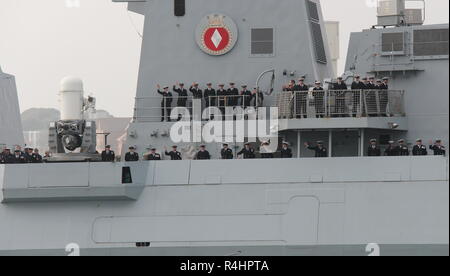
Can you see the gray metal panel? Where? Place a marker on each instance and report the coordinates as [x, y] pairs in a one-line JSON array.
[[10, 123], [58, 175], [431, 42]]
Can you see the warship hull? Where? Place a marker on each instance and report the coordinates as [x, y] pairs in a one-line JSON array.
[[318, 208]]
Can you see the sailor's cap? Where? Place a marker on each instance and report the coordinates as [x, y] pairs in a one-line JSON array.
[[373, 140], [401, 140], [317, 82], [16, 151], [391, 142], [286, 143], [365, 78], [108, 147], [418, 140], [232, 83], [244, 86], [371, 78], [247, 144], [379, 81], [154, 149], [340, 78], [181, 84], [357, 77], [320, 142], [221, 84], [131, 147], [438, 141], [203, 146], [209, 84], [195, 84], [385, 78], [301, 79], [174, 146], [166, 87]]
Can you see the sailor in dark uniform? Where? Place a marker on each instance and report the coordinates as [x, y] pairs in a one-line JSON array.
[[131, 155], [247, 152], [391, 150], [246, 96], [358, 84], [258, 97], [402, 149], [438, 148], [108, 155], [371, 85], [28, 154], [6, 157], [357, 87], [19, 157], [196, 92], [36, 157], [319, 149], [203, 154], [175, 155], [301, 95], [182, 94], [233, 95], [385, 84], [286, 152], [371, 97], [340, 91], [226, 153], [222, 98], [319, 99], [373, 150], [210, 95], [166, 103], [365, 83], [384, 96], [153, 155], [420, 149]]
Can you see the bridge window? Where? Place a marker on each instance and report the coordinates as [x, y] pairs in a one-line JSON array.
[[262, 41], [180, 7]]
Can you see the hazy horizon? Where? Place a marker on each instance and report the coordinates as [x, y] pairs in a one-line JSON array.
[[43, 41]]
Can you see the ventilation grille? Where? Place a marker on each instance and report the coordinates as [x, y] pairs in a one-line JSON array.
[[262, 41], [316, 30], [313, 11], [431, 42], [393, 42]]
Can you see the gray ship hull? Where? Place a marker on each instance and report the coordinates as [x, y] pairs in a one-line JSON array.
[[203, 209]]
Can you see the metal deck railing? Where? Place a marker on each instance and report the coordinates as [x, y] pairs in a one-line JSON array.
[[291, 105]]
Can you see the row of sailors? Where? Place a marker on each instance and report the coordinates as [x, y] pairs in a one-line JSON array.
[[226, 153], [28, 155], [222, 97], [402, 149], [248, 152], [367, 83]]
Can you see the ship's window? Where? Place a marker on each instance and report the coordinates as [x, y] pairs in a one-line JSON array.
[[180, 7], [392, 42], [319, 44], [431, 42], [262, 41]]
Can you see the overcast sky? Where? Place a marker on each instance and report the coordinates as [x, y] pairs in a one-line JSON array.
[[42, 41]]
